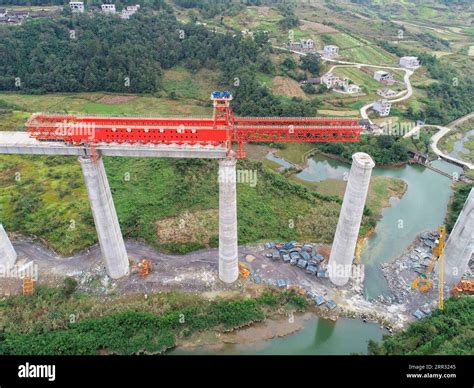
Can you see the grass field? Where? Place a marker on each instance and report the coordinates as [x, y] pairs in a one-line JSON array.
[[98, 103], [45, 197], [377, 197], [359, 77], [191, 86], [342, 40], [368, 54]]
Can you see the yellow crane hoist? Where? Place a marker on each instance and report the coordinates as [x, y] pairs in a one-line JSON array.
[[424, 282]]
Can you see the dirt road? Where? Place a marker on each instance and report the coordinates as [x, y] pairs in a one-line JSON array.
[[197, 272]]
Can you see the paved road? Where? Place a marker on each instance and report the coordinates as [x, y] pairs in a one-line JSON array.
[[442, 131]]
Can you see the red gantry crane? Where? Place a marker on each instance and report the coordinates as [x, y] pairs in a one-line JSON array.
[[222, 129]]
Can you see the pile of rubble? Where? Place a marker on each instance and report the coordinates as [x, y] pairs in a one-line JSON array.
[[414, 262]]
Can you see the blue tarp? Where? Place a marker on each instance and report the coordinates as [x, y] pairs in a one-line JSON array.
[[331, 304], [418, 314], [319, 300], [281, 283]]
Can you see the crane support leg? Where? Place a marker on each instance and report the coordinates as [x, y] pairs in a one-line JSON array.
[[105, 217], [228, 247]]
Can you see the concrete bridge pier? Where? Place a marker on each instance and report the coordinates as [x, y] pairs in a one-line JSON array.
[[105, 217], [348, 225], [228, 246], [8, 255], [460, 245]]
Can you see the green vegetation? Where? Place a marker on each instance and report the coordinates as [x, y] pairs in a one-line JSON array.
[[460, 194], [57, 210], [384, 149], [53, 322], [447, 99], [450, 331]]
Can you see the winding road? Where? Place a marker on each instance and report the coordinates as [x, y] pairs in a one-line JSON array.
[[442, 131], [363, 111], [402, 96]]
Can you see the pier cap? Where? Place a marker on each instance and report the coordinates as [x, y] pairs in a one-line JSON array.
[[363, 160]]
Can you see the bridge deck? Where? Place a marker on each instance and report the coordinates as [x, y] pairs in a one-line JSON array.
[[22, 143]]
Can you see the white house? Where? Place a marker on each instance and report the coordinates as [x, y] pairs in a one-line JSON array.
[[129, 11], [382, 107], [330, 50], [331, 80], [351, 88], [302, 45], [383, 76], [386, 92], [108, 8], [3, 12], [409, 62], [307, 44], [76, 6]]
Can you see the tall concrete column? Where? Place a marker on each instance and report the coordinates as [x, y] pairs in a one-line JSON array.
[[228, 255], [8, 255], [460, 244], [105, 217], [348, 225]]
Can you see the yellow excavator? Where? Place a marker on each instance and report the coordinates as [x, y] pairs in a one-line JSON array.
[[244, 271], [424, 282]]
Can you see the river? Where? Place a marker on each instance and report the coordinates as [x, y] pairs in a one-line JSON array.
[[318, 337], [422, 207]]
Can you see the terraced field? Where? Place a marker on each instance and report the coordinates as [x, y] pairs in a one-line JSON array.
[[368, 54]]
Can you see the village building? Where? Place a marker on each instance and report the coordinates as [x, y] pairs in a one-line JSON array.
[[129, 11], [351, 88], [76, 6], [12, 16], [331, 81], [409, 62], [382, 107], [383, 76], [108, 8], [386, 92], [330, 51], [305, 45]]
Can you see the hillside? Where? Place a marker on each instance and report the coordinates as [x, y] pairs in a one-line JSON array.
[[446, 332]]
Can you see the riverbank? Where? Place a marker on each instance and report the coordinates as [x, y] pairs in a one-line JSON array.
[[197, 273]]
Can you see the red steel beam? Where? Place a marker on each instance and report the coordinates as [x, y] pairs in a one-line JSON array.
[[223, 128]]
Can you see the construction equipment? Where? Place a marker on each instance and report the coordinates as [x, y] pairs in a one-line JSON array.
[[424, 282], [144, 267], [223, 129], [28, 285], [244, 270], [465, 286]]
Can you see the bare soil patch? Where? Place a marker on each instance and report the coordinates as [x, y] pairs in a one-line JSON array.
[[188, 227], [317, 27], [285, 86], [111, 99]]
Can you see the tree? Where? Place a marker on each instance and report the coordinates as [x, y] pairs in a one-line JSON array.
[[311, 63], [289, 63]]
